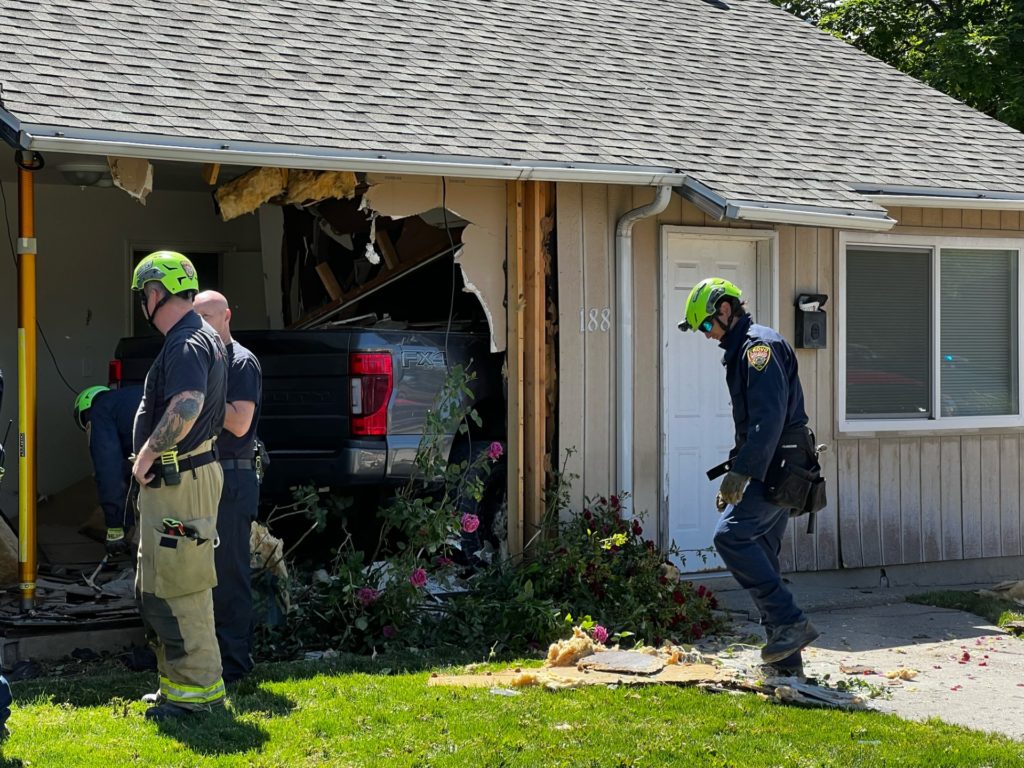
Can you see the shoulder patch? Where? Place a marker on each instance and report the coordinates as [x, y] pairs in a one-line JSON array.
[[758, 356]]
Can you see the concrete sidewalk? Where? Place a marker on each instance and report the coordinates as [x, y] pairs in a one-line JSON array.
[[968, 672]]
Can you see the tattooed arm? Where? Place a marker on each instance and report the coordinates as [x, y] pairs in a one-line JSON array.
[[182, 412]]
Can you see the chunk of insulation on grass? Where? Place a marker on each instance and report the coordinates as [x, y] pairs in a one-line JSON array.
[[565, 653]]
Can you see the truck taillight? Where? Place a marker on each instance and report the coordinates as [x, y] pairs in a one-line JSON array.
[[372, 382], [114, 374]]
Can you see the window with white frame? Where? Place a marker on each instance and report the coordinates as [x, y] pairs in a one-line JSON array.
[[929, 333]]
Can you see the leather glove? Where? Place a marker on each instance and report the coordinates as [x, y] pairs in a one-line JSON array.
[[720, 504], [731, 490]]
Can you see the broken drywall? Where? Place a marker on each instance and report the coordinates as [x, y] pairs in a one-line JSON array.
[[132, 174], [482, 204]]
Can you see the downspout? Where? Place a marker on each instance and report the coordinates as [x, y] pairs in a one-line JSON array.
[[624, 337]]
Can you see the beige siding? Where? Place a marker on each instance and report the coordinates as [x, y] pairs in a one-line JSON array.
[[930, 498], [898, 499]]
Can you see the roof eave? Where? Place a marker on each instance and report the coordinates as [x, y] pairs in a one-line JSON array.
[[185, 149], [720, 208]]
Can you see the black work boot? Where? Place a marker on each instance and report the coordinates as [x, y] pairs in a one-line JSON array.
[[786, 640], [167, 711], [776, 671]]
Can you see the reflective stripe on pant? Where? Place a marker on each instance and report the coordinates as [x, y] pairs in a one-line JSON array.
[[232, 597], [174, 583]]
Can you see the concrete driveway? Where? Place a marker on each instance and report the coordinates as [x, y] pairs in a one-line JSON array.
[[968, 672]]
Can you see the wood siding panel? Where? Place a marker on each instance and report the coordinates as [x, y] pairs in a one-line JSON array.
[[970, 489], [597, 392], [787, 281], [1009, 220], [849, 504], [931, 500], [972, 219], [952, 218], [991, 220], [931, 217], [805, 280], [870, 513], [912, 217], [990, 497], [1009, 495], [823, 419], [889, 501], [910, 500], [571, 349], [950, 483]]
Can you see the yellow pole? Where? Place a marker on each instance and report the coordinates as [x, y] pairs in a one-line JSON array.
[[26, 388]]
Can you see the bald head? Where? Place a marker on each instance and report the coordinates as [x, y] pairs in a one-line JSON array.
[[213, 308]]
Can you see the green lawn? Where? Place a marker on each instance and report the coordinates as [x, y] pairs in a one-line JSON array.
[[366, 714]]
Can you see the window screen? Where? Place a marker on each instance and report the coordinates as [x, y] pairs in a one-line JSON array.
[[978, 338], [888, 314]]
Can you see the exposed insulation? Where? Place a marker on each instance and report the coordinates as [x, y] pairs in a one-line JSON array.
[[249, 191], [565, 653], [313, 186]]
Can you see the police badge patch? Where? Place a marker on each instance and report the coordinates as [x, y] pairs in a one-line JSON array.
[[758, 356]]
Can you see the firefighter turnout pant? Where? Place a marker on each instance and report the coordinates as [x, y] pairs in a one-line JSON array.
[[174, 582]]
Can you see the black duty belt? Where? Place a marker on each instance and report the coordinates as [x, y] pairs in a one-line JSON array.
[[237, 464], [196, 461]]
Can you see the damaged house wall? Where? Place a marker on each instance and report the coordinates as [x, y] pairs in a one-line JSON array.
[[482, 204], [85, 304]]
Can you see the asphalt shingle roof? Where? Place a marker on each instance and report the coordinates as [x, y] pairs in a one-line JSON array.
[[750, 101]]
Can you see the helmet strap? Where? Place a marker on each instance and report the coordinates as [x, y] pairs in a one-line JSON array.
[[151, 315]]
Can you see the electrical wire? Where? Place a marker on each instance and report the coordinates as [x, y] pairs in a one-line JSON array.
[[14, 258]]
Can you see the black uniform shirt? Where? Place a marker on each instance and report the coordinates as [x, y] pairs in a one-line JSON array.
[[192, 359], [245, 382], [767, 399]]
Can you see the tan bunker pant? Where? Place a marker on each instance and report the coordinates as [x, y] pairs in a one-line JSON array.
[[174, 583]]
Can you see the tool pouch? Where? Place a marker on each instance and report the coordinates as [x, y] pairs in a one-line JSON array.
[[184, 565], [794, 480]]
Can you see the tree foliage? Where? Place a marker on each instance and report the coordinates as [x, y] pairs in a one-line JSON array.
[[972, 50]]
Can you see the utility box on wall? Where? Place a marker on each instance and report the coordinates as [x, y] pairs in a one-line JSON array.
[[811, 321]]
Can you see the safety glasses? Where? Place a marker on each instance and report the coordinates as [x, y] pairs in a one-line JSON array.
[[707, 325]]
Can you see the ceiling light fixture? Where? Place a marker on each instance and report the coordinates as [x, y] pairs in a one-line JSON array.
[[86, 174]]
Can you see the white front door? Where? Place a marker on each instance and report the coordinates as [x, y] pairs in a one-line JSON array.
[[697, 428]]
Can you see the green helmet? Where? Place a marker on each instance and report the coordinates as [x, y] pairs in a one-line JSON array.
[[173, 270], [704, 299], [84, 402]]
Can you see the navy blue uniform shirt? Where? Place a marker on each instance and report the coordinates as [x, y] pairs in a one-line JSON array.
[[767, 399], [111, 417], [192, 359], [245, 383]]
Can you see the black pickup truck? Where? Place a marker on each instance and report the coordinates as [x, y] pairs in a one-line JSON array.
[[345, 407]]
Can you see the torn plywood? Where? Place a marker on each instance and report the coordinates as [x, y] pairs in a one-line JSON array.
[[132, 174], [249, 191], [305, 187], [482, 204]]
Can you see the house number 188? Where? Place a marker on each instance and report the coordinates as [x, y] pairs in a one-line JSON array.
[[595, 319]]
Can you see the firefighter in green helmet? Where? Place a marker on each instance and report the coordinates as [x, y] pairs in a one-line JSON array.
[[180, 481]]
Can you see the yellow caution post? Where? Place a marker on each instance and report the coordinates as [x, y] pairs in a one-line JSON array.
[[28, 163]]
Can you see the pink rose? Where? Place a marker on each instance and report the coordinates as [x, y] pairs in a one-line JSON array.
[[600, 633], [495, 451], [444, 562], [418, 578], [470, 522], [388, 631], [367, 595]]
